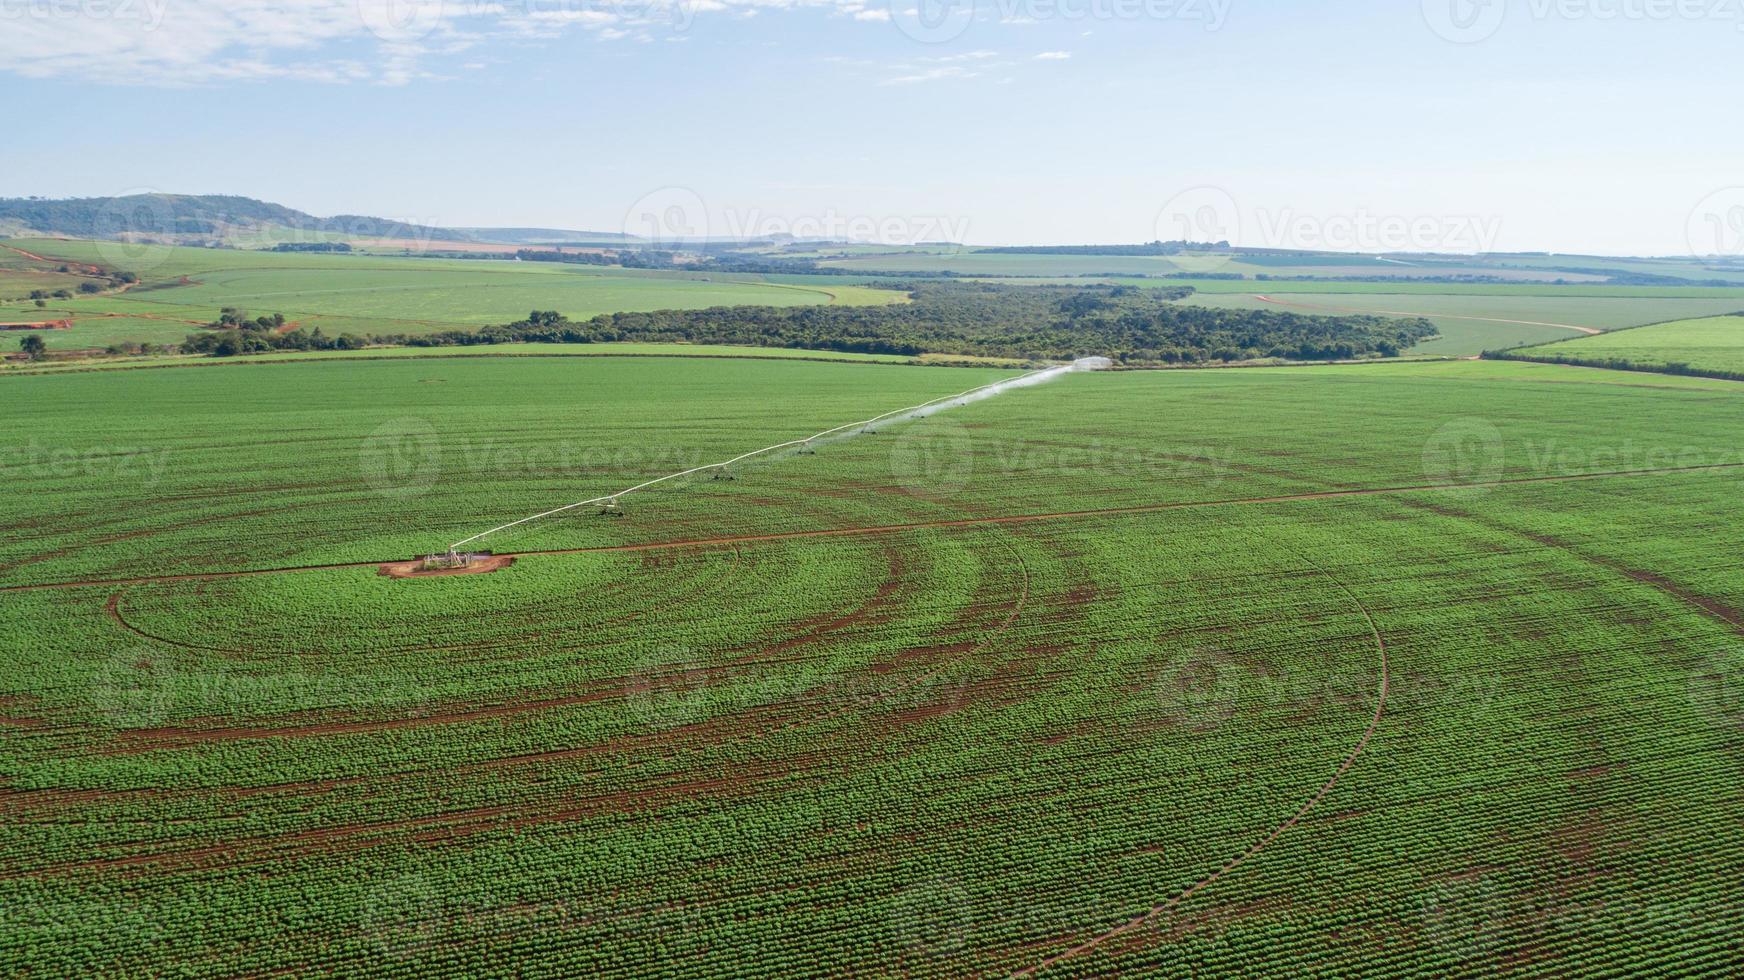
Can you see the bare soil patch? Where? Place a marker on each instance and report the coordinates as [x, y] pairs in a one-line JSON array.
[[416, 569]]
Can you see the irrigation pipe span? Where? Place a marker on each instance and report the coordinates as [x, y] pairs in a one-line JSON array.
[[923, 409]]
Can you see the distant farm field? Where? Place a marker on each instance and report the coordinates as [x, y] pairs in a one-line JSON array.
[[1473, 323], [1086, 679], [369, 294], [989, 263], [528, 350], [1711, 344]]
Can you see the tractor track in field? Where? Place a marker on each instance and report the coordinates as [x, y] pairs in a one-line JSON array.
[[840, 532], [465, 822], [1229, 866], [1589, 331], [112, 609]]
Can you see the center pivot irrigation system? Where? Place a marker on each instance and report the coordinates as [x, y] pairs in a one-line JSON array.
[[610, 505]]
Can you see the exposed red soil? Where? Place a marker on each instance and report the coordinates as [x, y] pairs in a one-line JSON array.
[[830, 623], [1709, 606], [29, 255], [416, 569], [177, 737], [1260, 845], [14, 702], [39, 325], [81, 267], [443, 826], [957, 652], [145, 316]]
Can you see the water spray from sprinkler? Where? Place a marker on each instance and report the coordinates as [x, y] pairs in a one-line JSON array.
[[611, 506]]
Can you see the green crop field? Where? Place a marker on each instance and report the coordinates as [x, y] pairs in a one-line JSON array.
[[1713, 345], [1526, 270], [374, 294], [23, 273], [135, 362], [1472, 316], [970, 261], [1427, 669], [1470, 324]]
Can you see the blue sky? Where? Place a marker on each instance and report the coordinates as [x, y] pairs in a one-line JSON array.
[[1578, 125]]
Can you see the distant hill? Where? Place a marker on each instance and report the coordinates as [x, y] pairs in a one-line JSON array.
[[196, 219]]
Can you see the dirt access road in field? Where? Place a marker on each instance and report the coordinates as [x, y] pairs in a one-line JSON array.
[[88, 269], [1449, 316]]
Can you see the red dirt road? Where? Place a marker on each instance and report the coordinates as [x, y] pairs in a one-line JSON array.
[[90, 269]]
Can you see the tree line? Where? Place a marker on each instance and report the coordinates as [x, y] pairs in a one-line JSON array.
[[1134, 326]]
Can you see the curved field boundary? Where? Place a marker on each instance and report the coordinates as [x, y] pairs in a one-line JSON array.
[[1278, 831], [1591, 331], [843, 532]]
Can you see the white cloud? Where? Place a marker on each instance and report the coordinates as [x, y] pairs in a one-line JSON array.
[[932, 75], [964, 65], [184, 42], [1053, 56]]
